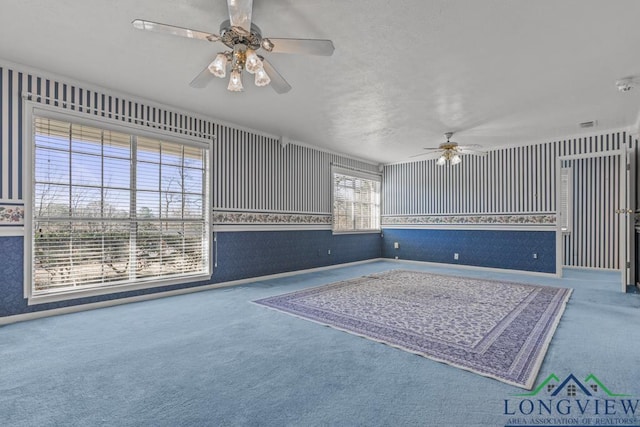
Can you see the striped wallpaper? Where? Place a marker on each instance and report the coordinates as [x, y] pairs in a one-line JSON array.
[[251, 171], [254, 172], [11, 85], [513, 180], [518, 182], [593, 240]]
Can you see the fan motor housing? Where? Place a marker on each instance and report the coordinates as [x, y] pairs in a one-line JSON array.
[[232, 36]]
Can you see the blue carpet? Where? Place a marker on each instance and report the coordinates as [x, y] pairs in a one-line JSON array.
[[214, 358]]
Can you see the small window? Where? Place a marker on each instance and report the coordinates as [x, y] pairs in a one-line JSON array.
[[565, 211], [356, 201]]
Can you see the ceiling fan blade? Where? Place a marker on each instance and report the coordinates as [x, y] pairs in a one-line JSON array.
[[173, 30], [475, 149], [304, 46], [240, 13], [278, 83], [431, 155], [202, 79]]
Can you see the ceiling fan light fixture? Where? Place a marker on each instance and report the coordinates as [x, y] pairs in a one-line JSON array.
[[262, 78], [235, 81], [243, 38], [252, 63], [267, 45], [219, 66], [450, 152]]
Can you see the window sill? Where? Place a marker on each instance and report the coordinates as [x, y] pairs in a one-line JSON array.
[[44, 297]]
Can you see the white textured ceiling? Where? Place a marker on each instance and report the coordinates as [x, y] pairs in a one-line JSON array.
[[496, 72]]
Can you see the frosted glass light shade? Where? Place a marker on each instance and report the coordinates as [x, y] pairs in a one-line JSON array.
[[253, 64], [262, 78], [441, 160], [235, 82], [219, 66], [456, 159]]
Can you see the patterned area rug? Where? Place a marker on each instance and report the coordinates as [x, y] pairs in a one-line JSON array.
[[497, 329]]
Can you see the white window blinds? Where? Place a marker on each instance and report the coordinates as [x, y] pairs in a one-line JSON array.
[[356, 201], [112, 208]]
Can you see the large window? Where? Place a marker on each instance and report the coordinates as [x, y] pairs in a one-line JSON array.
[[356, 201], [112, 207]]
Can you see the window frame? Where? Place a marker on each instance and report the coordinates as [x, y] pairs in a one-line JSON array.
[[565, 208], [354, 173], [33, 110]]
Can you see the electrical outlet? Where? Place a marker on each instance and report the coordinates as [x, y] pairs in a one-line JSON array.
[[396, 245], [535, 256], [455, 256], [396, 257], [328, 251]]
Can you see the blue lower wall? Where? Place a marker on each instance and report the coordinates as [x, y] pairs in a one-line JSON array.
[[483, 248], [250, 254], [240, 255]]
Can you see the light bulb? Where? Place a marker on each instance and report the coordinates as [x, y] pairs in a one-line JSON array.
[[456, 159], [441, 160], [219, 66], [262, 78], [235, 81], [253, 62]]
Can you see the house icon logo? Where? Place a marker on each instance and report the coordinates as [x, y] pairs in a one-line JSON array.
[[571, 386], [572, 401]]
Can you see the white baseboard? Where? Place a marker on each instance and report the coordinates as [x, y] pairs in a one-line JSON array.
[[471, 267], [102, 304]]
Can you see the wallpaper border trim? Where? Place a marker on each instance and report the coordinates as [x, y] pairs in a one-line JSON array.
[[502, 219], [269, 218], [11, 214]]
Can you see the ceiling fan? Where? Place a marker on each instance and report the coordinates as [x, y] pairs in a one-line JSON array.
[[244, 39], [450, 151]]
